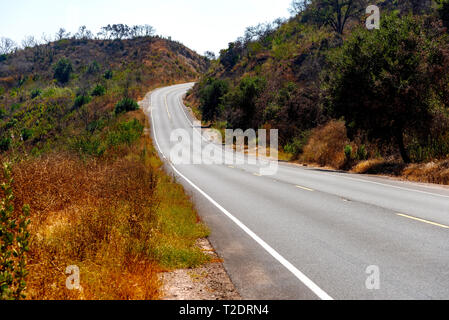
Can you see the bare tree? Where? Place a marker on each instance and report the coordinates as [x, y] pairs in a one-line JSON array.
[[148, 30], [29, 42], [62, 34], [7, 45], [83, 34], [298, 6], [210, 55]]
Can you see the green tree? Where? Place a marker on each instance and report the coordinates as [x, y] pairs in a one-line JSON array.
[[125, 105], [62, 70], [241, 103], [211, 96], [382, 81]]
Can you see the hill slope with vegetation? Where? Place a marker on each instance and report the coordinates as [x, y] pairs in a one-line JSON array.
[[341, 94], [79, 160]]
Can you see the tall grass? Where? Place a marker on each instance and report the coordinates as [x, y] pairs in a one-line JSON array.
[[119, 218]]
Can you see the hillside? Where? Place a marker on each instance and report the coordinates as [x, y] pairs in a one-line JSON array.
[[78, 159], [340, 94]]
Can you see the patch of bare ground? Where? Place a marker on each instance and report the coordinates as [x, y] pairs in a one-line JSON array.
[[208, 282]]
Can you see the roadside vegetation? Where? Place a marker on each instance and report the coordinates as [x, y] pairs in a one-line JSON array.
[[341, 96], [85, 186]]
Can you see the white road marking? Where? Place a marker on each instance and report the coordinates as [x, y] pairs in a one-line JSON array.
[[298, 274]]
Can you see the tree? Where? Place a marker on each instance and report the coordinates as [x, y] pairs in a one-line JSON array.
[[29, 42], [210, 55], [382, 82], [6, 45], [298, 6], [335, 13], [62, 34], [211, 96], [62, 70], [83, 33]]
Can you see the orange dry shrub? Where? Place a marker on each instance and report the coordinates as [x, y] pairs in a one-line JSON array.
[[326, 145], [95, 214]]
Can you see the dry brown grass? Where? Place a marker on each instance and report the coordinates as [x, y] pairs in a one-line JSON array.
[[432, 172], [326, 145], [107, 216]]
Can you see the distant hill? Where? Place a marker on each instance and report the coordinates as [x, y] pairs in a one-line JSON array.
[[300, 74], [50, 92]]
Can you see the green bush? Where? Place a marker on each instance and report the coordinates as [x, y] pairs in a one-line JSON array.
[[126, 105], [99, 90], [35, 93], [11, 123], [14, 243], [211, 96], [80, 101], [125, 133], [62, 70], [26, 134], [296, 146], [108, 75], [348, 152], [5, 143], [93, 68], [362, 153]]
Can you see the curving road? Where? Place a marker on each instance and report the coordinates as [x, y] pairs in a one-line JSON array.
[[307, 233]]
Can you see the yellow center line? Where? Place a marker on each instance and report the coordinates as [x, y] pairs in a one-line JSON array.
[[422, 220], [166, 107], [257, 174], [304, 188]]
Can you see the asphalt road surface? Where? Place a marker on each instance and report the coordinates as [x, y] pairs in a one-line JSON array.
[[307, 233]]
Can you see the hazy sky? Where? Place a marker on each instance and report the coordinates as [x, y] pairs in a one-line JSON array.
[[200, 24]]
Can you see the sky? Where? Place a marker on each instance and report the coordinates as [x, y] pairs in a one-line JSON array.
[[202, 25]]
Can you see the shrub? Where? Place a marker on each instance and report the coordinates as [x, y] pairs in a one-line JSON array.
[[35, 93], [211, 95], [62, 70], [126, 105], [296, 147], [108, 75], [13, 242], [93, 68], [362, 153], [326, 145], [99, 90], [125, 133], [5, 144], [26, 134], [348, 152], [80, 101]]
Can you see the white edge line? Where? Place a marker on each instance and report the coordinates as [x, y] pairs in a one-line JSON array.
[[298, 274]]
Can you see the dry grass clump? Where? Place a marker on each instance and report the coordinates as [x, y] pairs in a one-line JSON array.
[[379, 166], [120, 220], [432, 172], [326, 145]]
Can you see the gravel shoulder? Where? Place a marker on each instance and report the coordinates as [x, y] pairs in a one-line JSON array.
[[208, 282]]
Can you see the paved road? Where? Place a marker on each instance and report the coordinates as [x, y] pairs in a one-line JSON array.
[[306, 233]]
